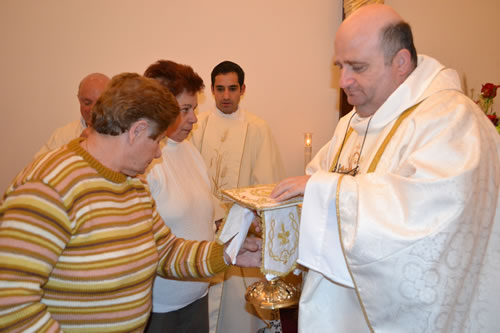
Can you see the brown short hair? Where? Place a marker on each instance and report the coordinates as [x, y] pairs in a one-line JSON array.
[[175, 77], [130, 97]]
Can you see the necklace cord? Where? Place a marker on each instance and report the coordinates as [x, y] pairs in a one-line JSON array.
[[356, 169], [343, 141]]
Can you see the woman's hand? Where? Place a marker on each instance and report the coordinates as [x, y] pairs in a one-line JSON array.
[[250, 254]]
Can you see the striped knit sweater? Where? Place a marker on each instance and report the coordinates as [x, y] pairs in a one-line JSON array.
[[80, 246]]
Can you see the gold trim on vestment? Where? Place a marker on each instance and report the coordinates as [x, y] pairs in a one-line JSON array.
[[242, 153], [227, 151], [337, 201], [373, 166], [335, 160], [389, 136]]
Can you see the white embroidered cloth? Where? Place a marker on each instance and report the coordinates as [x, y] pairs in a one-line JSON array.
[[280, 224]]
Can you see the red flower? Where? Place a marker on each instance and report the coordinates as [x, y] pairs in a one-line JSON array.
[[493, 119], [489, 90]]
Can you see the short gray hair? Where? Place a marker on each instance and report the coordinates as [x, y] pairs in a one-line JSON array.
[[396, 37]]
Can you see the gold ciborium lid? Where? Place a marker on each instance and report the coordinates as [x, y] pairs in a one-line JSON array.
[[272, 294]]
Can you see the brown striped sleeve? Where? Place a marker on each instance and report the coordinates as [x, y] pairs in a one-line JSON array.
[[34, 229], [180, 258]]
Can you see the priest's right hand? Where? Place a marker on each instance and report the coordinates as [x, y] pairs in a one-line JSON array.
[[290, 187]]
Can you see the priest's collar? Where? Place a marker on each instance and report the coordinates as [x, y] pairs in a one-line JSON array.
[[236, 115]]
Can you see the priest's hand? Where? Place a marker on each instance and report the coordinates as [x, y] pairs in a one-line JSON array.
[[290, 187], [250, 254]]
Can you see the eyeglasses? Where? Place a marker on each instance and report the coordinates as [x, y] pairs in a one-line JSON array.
[[350, 172], [354, 171]]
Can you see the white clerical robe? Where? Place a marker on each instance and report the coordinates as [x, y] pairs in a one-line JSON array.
[[248, 139], [411, 243], [63, 135], [239, 151]]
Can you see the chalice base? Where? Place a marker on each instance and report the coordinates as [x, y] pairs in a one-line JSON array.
[[272, 294]]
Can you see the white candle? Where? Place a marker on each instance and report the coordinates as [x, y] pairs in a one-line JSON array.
[[307, 148]]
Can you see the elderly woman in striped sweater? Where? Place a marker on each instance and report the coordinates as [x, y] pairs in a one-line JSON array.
[[80, 237]]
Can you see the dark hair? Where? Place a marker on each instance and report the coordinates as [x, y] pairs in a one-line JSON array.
[[396, 37], [130, 97], [175, 77], [228, 67]]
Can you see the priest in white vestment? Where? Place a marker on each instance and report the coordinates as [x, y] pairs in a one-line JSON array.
[[89, 90], [239, 150], [400, 220]]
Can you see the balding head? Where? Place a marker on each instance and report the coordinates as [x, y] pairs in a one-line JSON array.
[[378, 24], [371, 18], [91, 87], [373, 56]]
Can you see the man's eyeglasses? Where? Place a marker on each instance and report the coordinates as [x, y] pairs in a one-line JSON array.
[[350, 172], [354, 171]]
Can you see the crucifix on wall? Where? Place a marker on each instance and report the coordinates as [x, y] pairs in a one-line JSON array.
[[348, 7]]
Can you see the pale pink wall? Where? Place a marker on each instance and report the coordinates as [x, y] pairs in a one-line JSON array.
[[284, 46], [461, 34]]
